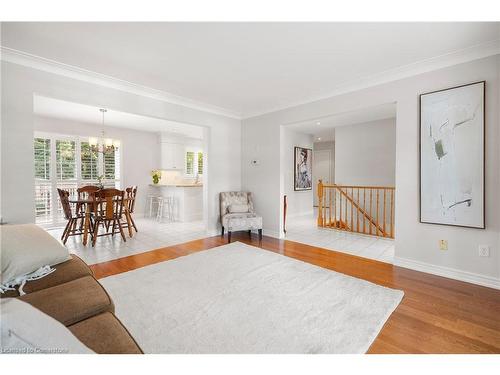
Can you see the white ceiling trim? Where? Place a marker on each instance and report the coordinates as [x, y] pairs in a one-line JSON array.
[[476, 52], [40, 63]]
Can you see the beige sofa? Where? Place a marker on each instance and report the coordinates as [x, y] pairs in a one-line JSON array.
[[73, 296]]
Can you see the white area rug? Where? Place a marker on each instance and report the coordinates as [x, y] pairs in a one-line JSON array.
[[241, 299]]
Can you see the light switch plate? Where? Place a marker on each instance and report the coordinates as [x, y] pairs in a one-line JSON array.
[[484, 250]]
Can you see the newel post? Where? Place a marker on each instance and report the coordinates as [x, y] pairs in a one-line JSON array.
[[320, 203]]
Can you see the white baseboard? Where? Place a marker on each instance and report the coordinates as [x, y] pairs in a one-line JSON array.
[[265, 232], [213, 232], [271, 233], [451, 273]]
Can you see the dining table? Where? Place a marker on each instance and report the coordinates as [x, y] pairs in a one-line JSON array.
[[87, 202]]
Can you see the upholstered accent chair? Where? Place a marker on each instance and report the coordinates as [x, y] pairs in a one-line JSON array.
[[237, 213]]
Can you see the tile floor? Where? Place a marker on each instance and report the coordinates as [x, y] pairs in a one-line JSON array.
[[152, 235], [303, 229]]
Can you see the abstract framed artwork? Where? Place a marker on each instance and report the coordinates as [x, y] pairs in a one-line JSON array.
[[302, 169], [452, 156]]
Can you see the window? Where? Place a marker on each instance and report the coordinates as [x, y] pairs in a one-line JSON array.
[[194, 163], [89, 163], [42, 158], [67, 162], [200, 163], [190, 163], [43, 190]]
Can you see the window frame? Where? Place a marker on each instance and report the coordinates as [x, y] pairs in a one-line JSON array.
[[54, 218], [196, 151]]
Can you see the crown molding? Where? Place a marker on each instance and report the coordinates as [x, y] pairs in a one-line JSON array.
[[472, 53], [40, 63]]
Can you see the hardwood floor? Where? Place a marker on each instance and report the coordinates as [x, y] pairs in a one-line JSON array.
[[437, 315]]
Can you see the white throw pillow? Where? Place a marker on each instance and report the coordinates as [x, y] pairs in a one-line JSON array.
[[27, 330], [26, 248], [238, 208]]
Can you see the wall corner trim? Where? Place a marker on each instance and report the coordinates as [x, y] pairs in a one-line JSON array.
[[451, 273]]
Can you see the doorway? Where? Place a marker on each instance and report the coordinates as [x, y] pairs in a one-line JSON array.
[[353, 153], [322, 170]]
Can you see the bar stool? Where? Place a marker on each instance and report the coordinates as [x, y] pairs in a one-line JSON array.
[[166, 209], [153, 200]]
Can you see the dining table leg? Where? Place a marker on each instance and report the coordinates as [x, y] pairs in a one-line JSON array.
[[86, 227]]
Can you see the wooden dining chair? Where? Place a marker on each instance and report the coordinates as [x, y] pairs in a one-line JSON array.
[[130, 195], [71, 229], [107, 209], [85, 192]]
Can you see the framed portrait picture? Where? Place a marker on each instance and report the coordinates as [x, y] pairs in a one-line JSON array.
[[302, 169], [452, 156]]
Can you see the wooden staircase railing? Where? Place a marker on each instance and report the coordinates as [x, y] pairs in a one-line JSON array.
[[360, 209]]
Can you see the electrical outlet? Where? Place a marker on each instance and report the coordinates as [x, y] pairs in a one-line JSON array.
[[443, 245], [484, 250]]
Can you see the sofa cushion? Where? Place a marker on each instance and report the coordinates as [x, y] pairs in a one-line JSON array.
[[25, 329], [243, 221], [235, 197], [70, 270], [25, 249], [238, 208], [73, 301], [105, 334]]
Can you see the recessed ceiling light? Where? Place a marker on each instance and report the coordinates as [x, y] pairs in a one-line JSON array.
[[319, 138], [318, 123]]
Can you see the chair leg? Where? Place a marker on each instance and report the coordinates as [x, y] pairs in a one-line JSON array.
[[96, 231], [260, 235], [121, 230], [228, 236], [65, 229], [81, 221], [222, 232], [150, 207], [249, 233], [68, 231], [75, 223], [113, 228], [133, 222]]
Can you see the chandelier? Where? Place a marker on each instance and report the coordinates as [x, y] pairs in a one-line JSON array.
[[102, 144]]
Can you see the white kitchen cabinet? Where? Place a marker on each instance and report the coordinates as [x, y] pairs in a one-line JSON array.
[[172, 156]]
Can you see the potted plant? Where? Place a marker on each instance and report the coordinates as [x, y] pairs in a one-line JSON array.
[[156, 174]]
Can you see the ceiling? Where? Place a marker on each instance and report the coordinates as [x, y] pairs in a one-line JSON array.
[[49, 107], [246, 68], [322, 129]]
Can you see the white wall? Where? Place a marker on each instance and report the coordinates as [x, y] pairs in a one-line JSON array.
[[140, 151], [414, 241], [318, 147], [298, 202], [365, 154], [20, 83]]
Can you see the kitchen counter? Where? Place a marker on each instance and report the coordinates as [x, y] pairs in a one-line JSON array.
[[188, 201]]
